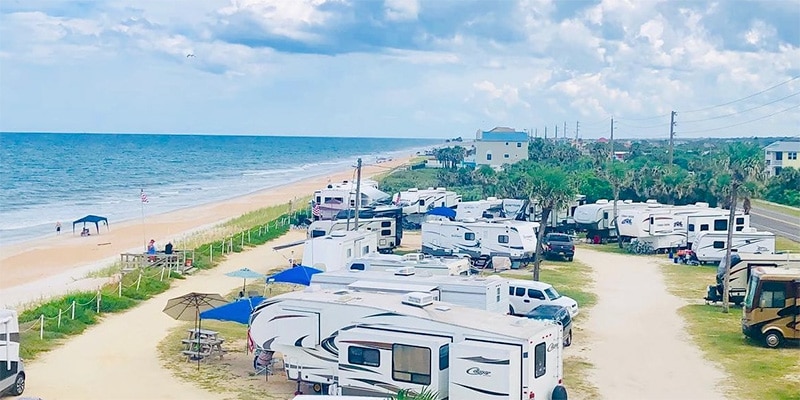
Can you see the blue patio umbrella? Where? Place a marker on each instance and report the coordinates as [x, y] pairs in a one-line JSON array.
[[245, 273], [237, 311], [443, 211], [300, 275]]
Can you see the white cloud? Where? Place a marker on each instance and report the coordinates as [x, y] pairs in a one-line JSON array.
[[401, 10], [285, 18], [759, 33]]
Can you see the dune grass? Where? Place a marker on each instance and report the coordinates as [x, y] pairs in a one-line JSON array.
[[756, 372]]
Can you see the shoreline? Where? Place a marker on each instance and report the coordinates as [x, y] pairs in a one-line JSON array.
[[43, 268]]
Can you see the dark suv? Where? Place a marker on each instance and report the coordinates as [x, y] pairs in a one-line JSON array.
[[552, 312], [558, 245]]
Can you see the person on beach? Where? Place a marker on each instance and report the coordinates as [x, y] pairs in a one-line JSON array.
[[58, 227], [151, 250], [168, 248]]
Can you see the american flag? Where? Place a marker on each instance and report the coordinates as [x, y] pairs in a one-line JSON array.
[[316, 211], [144, 197]]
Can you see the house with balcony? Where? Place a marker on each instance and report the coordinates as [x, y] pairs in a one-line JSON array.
[[500, 146], [780, 155]]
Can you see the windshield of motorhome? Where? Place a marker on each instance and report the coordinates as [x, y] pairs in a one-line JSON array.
[[552, 294], [751, 291]]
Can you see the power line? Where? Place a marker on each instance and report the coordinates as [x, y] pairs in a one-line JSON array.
[[742, 123], [743, 98], [645, 118], [742, 111], [661, 125]]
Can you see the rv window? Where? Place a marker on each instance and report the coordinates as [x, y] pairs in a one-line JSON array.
[[519, 144], [319, 200], [386, 224], [364, 356], [365, 250], [421, 202], [352, 203], [535, 294], [444, 357], [510, 290], [357, 267], [349, 253], [502, 238], [605, 215], [520, 292], [703, 227], [498, 295], [719, 244], [317, 233], [739, 228], [488, 156], [505, 155], [386, 232], [539, 360], [691, 227], [411, 364], [720, 224], [774, 294], [469, 236], [740, 221]]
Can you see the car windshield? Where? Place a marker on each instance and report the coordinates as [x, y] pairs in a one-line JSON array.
[[559, 238], [544, 312], [551, 293]]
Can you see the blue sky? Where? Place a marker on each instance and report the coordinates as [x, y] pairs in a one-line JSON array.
[[410, 68]]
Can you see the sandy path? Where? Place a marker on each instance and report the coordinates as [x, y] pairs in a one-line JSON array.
[[118, 359], [640, 349]]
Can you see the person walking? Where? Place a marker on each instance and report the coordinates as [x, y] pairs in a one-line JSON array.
[[58, 227]]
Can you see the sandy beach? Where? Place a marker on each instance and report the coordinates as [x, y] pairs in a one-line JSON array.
[[39, 269]]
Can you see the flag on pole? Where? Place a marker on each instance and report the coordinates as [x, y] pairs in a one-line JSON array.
[[144, 197], [397, 200], [316, 211]]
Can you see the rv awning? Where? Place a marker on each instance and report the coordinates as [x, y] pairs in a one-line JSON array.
[[299, 275], [397, 287], [443, 211]]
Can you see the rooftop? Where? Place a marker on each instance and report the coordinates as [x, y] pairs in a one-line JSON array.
[[503, 136], [783, 146]]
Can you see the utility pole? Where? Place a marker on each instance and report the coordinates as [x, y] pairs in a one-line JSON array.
[[358, 191], [671, 135], [577, 127], [545, 133], [556, 133], [611, 142], [565, 130], [536, 133]]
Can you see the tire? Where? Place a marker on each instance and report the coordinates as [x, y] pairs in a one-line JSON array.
[[568, 340], [773, 339], [511, 310], [569, 258], [19, 385]]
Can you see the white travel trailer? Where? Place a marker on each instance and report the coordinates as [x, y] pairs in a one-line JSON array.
[[506, 238], [714, 221], [597, 219], [336, 197], [416, 202], [419, 261], [710, 246], [490, 294], [378, 344], [12, 370], [662, 226], [333, 252], [386, 229], [741, 271], [560, 220], [490, 207]]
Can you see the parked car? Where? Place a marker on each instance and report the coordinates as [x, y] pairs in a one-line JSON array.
[[525, 295], [555, 313], [558, 245]]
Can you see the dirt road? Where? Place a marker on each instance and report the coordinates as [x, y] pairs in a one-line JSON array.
[[639, 345]]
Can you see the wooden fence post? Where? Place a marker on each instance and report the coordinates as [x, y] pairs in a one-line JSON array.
[[120, 286], [99, 295], [139, 281], [41, 327], [73, 309], [59, 318]]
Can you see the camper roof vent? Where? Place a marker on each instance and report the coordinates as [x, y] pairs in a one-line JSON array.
[[430, 187], [405, 271], [418, 299], [440, 188], [601, 201], [443, 308], [651, 201], [468, 220], [412, 190], [492, 198], [338, 234], [414, 257], [628, 201], [701, 204]]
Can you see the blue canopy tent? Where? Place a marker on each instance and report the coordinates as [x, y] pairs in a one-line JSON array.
[[300, 275], [443, 212], [235, 311], [91, 219]]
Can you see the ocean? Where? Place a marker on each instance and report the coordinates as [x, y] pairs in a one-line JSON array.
[[49, 177]]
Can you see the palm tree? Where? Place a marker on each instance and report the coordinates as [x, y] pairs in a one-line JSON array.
[[740, 166], [551, 188], [486, 177], [617, 175], [408, 394]]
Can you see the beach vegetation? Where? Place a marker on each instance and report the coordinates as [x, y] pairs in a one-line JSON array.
[[757, 372]]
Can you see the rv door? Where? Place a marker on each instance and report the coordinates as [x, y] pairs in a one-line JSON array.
[[485, 370]]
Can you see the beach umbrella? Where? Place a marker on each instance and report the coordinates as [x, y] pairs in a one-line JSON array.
[[245, 273], [300, 275], [189, 306]]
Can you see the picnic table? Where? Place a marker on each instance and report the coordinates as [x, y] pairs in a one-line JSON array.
[[202, 343]]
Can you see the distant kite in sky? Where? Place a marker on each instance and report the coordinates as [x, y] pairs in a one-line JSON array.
[[189, 55]]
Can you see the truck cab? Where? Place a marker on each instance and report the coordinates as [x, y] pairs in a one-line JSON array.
[[771, 311]]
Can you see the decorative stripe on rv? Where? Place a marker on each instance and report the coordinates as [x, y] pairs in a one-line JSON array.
[[485, 360], [484, 391]]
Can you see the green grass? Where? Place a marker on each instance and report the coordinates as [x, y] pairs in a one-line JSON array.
[[784, 244], [756, 372], [606, 248], [793, 211]]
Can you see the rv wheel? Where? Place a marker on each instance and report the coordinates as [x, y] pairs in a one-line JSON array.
[[568, 339], [19, 385], [511, 310], [559, 393], [773, 339]]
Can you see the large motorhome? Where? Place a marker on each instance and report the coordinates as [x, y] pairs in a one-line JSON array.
[[597, 218], [771, 309], [741, 271], [12, 370], [420, 262], [711, 246], [506, 238], [378, 344], [490, 294], [342, 196], [416, 202], [334, 251], [386, 228]]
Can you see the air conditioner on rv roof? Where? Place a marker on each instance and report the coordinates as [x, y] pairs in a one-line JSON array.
[[418, 299], [404, 271]]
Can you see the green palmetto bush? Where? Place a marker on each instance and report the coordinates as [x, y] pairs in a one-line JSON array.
[[408, 394]]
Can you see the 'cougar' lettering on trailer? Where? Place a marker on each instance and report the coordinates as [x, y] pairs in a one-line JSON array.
[[478, 371]]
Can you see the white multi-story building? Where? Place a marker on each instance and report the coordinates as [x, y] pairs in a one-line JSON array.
[[500, 146], [780, 155]]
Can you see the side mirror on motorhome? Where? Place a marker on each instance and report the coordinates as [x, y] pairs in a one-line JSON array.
[[762, 303]]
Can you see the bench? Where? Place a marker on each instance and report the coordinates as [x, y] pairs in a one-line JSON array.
[[195, 355]]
